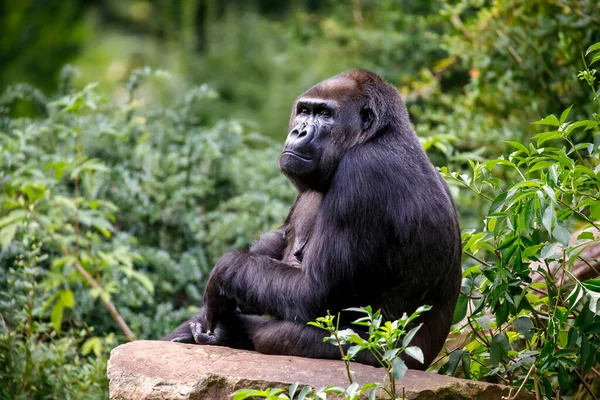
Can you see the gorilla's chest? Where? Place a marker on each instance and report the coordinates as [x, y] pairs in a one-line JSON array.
[[301, 227]]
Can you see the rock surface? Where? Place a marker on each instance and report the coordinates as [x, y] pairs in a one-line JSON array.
[[162, 370]]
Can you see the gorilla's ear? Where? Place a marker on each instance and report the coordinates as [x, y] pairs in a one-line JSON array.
[[367, 116]]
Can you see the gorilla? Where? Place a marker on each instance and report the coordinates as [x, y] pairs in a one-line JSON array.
[[373, 224]]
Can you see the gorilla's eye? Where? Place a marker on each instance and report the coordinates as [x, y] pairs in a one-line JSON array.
[[325, 113], [304, 111]]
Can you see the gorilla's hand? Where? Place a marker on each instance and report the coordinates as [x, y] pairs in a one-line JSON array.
[[196, 331], [217, 304], [201, 333]]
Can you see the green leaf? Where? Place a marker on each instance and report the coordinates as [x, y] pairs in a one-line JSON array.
[[545, 136], [466, 364], [450, 367], [66, 298], [13, 217], [563, 378], [594, 47], [353, 351], [586, 236], [594, 300], [498, 202], [473, 242], [541, 165], [565, 114], [592, 284], [489, 165], [409, 336], [144, 280], [56, 315], [292, 389], [574, 297], [484, 321], [562, 235], [550, 120], [253, 393], [7, 234], [390, 354], [352, 390], [304, 392], [399, 368], [416, 353], [550, 192], [550, 251], [549, 218], [92, 344], [460, 311], [365, 310], [498, 348], [524, 326], [518, 146], [501, 313], [369, 387], [595, 210], [59, 167]]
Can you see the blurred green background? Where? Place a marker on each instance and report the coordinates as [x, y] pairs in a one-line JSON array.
[[146, 179]]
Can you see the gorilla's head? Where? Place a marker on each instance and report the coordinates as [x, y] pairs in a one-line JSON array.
[[330, 119]]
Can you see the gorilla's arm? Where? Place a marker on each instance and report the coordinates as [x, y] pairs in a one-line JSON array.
[[271, 244], [347, 239]]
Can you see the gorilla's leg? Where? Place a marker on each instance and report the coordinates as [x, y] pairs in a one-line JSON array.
[[297, 339], [279, 337]]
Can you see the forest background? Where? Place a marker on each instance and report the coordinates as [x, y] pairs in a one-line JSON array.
[[139, 142]]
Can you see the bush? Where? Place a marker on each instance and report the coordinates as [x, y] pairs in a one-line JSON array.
[[532, 319], [111, 215]]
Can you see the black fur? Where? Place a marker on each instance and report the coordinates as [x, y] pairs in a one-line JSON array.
[[373, 224]]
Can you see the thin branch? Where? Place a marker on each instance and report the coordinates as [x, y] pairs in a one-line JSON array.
[[474, 257], [589, 265], [511, 49], [107, 303], [589, 389], [94, 283], [589, 221], [524, 382]]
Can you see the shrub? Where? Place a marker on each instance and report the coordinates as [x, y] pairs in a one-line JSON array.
[[531, 319], [111, 214]]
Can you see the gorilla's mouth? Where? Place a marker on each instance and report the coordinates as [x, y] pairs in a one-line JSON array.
[[298, 155]]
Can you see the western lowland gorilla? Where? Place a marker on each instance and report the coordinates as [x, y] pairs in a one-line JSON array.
[[373, 224]]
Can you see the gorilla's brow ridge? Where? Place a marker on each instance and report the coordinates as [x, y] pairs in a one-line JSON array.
[[317, 102]]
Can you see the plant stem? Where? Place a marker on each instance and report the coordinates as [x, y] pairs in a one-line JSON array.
[[524, 381], [107, 303], [589, 389], [583, 216], [474, 257], [392, 384], [339, 343]]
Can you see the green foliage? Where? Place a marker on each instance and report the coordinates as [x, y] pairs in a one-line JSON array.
[[111, 214], [386, 341], [530, 320], [352, 392]]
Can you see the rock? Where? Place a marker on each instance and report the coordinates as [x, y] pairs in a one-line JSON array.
[[145, 370]]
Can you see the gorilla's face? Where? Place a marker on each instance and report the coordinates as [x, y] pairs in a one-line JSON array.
[[324, 125], [309, 138]]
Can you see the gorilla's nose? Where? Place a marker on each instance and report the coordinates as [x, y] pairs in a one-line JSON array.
[[304, 135]]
